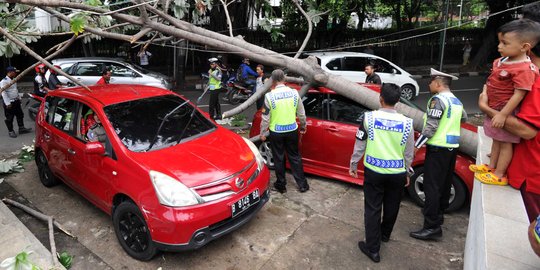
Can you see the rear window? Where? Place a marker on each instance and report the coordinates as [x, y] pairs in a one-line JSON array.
[[137, 122]]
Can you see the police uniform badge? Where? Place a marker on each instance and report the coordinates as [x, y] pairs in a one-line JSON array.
[[432, 103]]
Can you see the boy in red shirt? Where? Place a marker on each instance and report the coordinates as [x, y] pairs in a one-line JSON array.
[[511, 78]]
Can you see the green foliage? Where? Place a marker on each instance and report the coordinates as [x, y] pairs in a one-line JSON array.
[[65, 259], [276, 35], [77, 23], [19, 262], [94, 3], [27, 153], [238, 120], [12, 20]]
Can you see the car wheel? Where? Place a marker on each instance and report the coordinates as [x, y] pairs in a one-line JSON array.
[[408, 92], [266, 153], [132, 232], [46, 176], [458, 192]]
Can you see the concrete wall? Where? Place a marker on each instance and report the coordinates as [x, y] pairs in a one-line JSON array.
[[497, 232]]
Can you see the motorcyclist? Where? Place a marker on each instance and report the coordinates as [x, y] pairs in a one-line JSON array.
[[41, 87], [243, 75], [53, 81]]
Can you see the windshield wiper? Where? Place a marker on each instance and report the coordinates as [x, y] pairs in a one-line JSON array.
[[192, 114], [163, 121]]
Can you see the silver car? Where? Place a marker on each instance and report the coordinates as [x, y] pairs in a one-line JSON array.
[[88, 70]]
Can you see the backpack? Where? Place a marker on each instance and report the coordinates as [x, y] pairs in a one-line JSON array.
[[239, 72]]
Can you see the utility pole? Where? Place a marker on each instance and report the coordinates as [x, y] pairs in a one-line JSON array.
[[460, 9], [444, 35]]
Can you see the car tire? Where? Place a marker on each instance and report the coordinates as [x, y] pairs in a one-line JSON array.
[[408, 92], [46, 176], [458, 193], [266, 153], [132, 232]]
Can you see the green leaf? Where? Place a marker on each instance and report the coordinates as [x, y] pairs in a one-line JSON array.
[[65, 259], [77, 23], [94, 3]]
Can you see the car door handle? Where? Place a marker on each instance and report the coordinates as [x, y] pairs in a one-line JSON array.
[[332, 129], [47, 136], [71, 151]]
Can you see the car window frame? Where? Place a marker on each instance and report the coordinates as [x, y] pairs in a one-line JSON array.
[[328, 110], [51, 113], [76, 68], [321, 113]]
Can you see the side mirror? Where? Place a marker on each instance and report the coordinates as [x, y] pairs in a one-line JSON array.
[[94, 148], [394, 71]]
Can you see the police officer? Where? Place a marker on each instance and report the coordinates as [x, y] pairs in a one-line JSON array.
[[387, 141], [12, 104], [281, 106], [441, 135], [214, 85]]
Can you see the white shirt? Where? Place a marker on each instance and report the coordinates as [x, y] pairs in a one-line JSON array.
[[11, 93], [144, 57]]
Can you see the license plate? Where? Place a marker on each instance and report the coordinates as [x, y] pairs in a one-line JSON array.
[[245, 203]]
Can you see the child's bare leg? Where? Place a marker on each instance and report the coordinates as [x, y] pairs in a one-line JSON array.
[[505, 156], [494, 158]]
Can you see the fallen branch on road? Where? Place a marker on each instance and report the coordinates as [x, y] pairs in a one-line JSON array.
[[50, 221]]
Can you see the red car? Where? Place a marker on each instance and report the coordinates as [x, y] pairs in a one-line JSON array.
[[171, 178], [327, 146]]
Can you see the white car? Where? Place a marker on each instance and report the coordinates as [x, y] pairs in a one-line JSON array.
[[350, 65], [88, 71]]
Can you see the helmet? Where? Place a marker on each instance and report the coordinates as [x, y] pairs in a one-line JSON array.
[[40, 66], [213, 60]]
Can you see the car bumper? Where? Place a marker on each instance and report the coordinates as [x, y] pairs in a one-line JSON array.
[[192, 228]]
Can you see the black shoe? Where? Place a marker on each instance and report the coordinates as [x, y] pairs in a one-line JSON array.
[[303, 189], [280, 190], [385, 238], [374, 256], [24, 130], [427, 234], [12, 134]]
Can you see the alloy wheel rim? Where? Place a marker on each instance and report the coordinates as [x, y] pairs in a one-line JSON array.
[[266, 152], [419, 189], [406, 93], [133, 232]]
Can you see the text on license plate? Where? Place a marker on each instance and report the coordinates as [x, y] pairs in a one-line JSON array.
[[244, 203]]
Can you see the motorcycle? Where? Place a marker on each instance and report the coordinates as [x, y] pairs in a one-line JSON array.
[[237, 92], [34, 108]]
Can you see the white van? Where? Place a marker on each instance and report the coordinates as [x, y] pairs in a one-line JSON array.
[[350, 65]]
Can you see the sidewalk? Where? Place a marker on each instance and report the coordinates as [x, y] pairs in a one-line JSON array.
[[15, 238]]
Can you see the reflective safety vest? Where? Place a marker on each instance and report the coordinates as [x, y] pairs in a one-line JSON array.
[[283, 103], [213, 83], [448, 132], [387, 139]]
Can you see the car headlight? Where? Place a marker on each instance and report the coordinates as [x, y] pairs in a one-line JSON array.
[[260, 160], [171, 192]]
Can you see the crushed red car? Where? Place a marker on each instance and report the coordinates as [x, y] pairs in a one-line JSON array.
[[326, 148]]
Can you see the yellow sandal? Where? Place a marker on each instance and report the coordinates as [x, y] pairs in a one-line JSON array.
[[491, 179], [480, 168]]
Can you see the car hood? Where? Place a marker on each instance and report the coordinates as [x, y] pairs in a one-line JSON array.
[[199, 161]]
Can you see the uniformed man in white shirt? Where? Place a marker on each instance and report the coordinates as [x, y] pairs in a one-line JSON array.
[[12, 104]]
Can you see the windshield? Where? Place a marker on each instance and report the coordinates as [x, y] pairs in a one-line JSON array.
[[139, 68], [136, 122]]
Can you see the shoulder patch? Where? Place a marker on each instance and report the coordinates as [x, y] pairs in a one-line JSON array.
[[432, 103], [361, 134]]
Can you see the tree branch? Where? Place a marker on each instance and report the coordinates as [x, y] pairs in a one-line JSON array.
[[144, 14], [69, 42], [310, 29], [23, 18], [229, 22], [140, 34]]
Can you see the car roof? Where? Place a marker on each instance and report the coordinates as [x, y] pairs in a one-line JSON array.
[[111, 93], [340, 54], [88, 59]]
